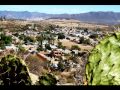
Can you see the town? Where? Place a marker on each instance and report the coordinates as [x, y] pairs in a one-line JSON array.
[[49, 47]]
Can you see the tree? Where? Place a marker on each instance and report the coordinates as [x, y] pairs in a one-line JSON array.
[[29, 39], [81, 39], [47, 79], [6, 39], [40, 39], [63, 47], [93, 36], [87, 41], [39, 48], [86, 30], [2, 44], [52, 39], [1, 29], [59, 44], [61, 36], [75, 47], [47, 46], [62, 65]]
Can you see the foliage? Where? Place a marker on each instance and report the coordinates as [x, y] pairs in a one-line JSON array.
[[6, 39], [47, 79], [47, 46], [13, 71], [75, 47], [93, 36], [83, 40], [21, 49], [40, 38], [22, 37], [62, 65], [39, 48], [104, 61], [60, 45], [29, 39], [61, 36], [2, 44]]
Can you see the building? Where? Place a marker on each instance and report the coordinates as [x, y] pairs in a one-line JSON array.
[[57, 53]]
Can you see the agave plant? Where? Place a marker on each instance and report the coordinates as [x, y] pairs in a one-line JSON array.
[[13, 71], [103, 67]]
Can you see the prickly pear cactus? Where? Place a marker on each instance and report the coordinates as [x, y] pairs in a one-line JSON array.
[[13, 71], [103, 67]]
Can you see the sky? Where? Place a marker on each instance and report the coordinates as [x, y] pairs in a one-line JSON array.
[[60, 9]]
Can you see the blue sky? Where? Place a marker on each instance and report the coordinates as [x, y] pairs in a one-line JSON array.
[[60, 9]]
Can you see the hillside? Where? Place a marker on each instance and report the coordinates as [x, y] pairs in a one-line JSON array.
[[90, 17]]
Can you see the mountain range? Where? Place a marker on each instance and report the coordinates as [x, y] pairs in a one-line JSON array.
[[90, 17]]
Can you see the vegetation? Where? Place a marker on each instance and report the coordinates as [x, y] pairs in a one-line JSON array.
[[13, 71], [93, 36], [40, 39], [60, 45], [83, 40], [47, 79], [75, 47], [21, 49], [103, 64], [47, 46], [6, 39], [29, 39], [61, 36], [40, 48]]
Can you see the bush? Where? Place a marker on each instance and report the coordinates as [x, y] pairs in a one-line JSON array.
[[61, 36], [75, 47], [39, 48], [60, 45], [6, 39], [47, 79], [83, 40], [47, 46], [21, 49], [93, 36]]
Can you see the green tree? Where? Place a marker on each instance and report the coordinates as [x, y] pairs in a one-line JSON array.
[[93, 36], [75, 47], [59, 44], [61, 36], [47, 46], [81, 40], [2, 44], [47, 79], [40, 39], [40, 48], [6, 39], [29, 39]]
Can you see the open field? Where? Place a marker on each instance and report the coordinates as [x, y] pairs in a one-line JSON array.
[[75, 23], [69, 43]]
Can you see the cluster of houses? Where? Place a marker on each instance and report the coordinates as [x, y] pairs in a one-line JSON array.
[[55, 54]]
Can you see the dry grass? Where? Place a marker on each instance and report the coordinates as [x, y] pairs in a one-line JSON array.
[[69, 43], [74, 23]]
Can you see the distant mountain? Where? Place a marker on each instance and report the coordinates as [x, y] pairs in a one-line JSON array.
[[90, 17]]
